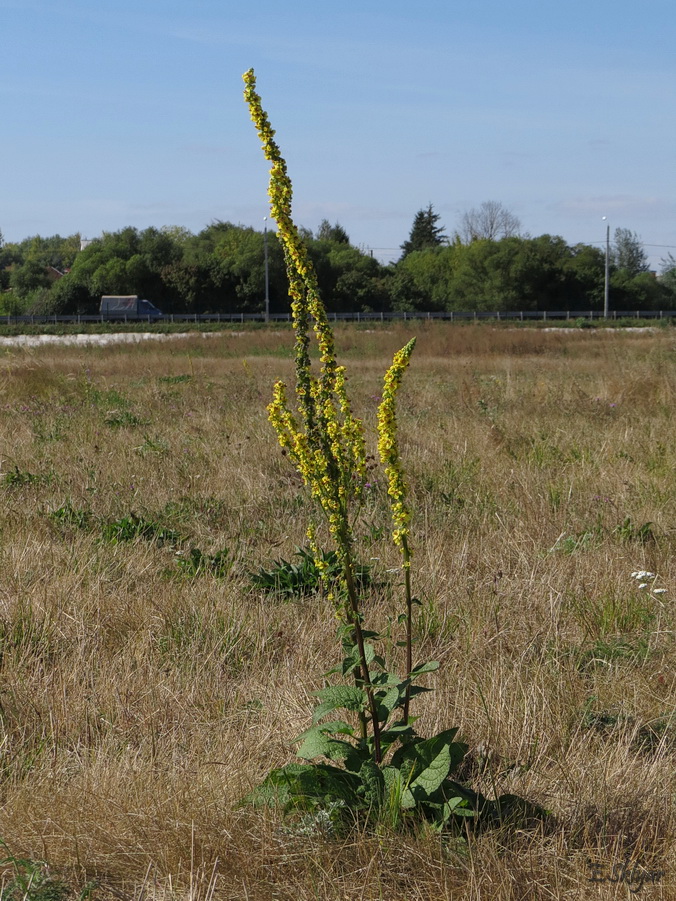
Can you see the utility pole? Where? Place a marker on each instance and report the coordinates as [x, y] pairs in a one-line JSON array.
[[606, 284]]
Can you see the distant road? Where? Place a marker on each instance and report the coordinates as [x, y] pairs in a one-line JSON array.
[[513, 315]]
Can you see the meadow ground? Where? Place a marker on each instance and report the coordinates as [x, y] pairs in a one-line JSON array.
[[147, 685]]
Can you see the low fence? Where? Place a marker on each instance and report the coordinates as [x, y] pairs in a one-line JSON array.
[[449, 316]]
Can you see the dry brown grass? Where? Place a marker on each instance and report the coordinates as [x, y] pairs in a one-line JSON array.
[[138, 704]]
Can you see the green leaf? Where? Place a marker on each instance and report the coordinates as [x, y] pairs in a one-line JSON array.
[[385, 678], [422, 753], [398, 732], [429, 667], [337, 697], [318, 744], [418, 690], [353, 660], [339, 727], [306, 786], [386, 702], [453, 807], [429, 779], [278, 786], [392, 780], [372, 783]]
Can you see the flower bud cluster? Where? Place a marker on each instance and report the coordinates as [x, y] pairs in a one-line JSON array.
[[326, 442], [388, 446]]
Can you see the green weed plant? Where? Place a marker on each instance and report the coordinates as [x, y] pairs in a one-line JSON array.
[[68, 515], [361, 755], [195, 562], [20, 478], [133, 526], [26, 879], [289, 579]]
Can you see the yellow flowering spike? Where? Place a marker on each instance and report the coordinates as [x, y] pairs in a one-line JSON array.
[[332, 450], [325, 441], [388, 446], [303, 286]]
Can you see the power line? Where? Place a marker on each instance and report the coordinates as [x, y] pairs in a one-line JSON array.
[[639, 243]]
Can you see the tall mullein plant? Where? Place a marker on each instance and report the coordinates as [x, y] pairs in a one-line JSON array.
[[388, 449], [387, 770], [324, 440]]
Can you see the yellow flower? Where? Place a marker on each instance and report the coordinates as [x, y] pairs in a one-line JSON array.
[[387, 444]]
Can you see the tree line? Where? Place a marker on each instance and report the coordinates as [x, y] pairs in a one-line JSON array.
[[487, 264]]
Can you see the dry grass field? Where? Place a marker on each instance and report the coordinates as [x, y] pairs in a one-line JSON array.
[[147, 685]]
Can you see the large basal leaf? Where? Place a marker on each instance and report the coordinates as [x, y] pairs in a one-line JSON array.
[[333, 784], [429, 779], [318, 744], [279, 785], [392, 778], [421, 753], [306, 786]]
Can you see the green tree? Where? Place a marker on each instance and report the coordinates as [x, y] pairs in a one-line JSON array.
[[192, 287], [9, 254], [123, 262], [335, 233], [542, 273], [668, 275], [201, 246], [423, 279], [349, 280], [425, 232], [642, 291], [111, 278], [628, 252], [240, 252], [28, 277], [585, 269], [68, 296], [178, 234], [484, 276]]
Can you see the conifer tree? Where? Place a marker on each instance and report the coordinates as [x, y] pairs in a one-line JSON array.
[[425, 232]]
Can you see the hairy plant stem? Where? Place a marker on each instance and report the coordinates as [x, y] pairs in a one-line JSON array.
[[409, 622], [354, 619]]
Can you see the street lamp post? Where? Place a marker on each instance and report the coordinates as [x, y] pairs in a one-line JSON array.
[[267, 269], [606, 285]]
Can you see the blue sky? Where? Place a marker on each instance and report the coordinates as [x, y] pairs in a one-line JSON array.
[[122, 113]]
